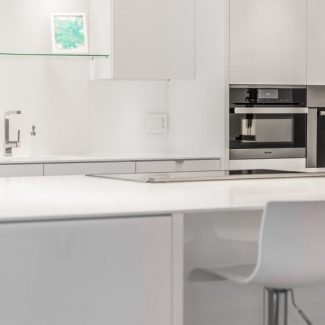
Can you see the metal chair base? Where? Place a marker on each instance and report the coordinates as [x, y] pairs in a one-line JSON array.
[[275, 306]]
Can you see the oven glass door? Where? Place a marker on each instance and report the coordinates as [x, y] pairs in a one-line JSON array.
[[254, 131]]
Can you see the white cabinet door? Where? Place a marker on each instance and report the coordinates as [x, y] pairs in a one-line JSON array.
[[316, 42], [153, 39], [188, 165], [268, 42], [147, 39], [89, 168], [20, 170], [90, 272]]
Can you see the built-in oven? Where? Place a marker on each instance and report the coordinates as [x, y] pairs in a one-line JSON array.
[[267, 122]]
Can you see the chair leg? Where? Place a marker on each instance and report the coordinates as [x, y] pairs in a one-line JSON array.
[[275, 306], [299, 310]]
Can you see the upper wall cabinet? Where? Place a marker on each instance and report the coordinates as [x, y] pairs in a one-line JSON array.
[[316, 42], [147, 39], [268, 41]]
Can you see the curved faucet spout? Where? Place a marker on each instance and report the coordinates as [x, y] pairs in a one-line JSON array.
[[8, 113]]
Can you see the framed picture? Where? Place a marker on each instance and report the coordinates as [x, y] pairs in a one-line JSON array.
[[69, 33]]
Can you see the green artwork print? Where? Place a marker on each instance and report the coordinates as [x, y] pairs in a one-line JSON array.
[[69, 33]]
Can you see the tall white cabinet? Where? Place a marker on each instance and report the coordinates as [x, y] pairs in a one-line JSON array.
[[268, 41], [146, 39], [316, 42]]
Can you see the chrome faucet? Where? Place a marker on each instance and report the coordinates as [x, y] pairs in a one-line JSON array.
[[8, 144]]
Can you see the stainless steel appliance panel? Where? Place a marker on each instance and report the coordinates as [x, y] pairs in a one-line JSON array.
[[312, 138], [316, 138], [272, 153], [316, 127], [270, 110]]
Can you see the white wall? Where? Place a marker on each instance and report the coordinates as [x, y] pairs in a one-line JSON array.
[[75, 116], [197, 107], [52, 93], [72, 114], [58, 106], [117, 116]]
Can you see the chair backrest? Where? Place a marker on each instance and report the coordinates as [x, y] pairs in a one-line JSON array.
[[292, 245]]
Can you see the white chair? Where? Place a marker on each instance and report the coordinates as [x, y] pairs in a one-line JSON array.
[[291, 253]]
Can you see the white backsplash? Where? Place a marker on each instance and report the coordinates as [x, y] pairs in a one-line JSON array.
[[75, 116], [72, 114], [117, 116]]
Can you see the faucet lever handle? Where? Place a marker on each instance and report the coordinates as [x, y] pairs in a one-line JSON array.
[[18, 137]]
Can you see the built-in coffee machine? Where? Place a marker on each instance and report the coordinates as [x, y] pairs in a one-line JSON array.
[[267, 122]]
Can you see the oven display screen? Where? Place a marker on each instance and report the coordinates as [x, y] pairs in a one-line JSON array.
[[268, 94]]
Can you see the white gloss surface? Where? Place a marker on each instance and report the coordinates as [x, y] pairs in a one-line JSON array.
[[37, 198], [97, 158], [309, 170]]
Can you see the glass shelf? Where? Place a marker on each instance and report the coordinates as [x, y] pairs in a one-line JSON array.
[[86, 55]]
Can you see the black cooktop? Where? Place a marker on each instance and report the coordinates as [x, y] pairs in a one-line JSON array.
[[203, 176], [258, 172]]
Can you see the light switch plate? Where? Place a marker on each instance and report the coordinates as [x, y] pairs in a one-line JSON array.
[[156, 123]]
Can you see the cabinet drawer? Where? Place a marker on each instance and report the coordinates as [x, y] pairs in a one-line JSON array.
[[20, 170], [177, 165], [200, 165], [89, 168]]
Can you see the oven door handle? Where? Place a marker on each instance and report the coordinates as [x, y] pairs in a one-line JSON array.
[[271, 110]]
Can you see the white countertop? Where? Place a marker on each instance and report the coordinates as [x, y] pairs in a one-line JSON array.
[[34, 198], [97, 158]]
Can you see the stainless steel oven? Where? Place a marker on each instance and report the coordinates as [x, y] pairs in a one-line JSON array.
[[267, 122]]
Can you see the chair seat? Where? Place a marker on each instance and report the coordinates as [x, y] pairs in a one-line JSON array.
[[236, 273], [290, 250]]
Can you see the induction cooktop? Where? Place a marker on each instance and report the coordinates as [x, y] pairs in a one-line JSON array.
[[206, 176]]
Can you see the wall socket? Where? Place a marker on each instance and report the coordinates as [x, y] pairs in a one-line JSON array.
[[156, 123]]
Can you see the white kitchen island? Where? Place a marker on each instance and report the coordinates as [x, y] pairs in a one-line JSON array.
[[39, 198], [81, 250]]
